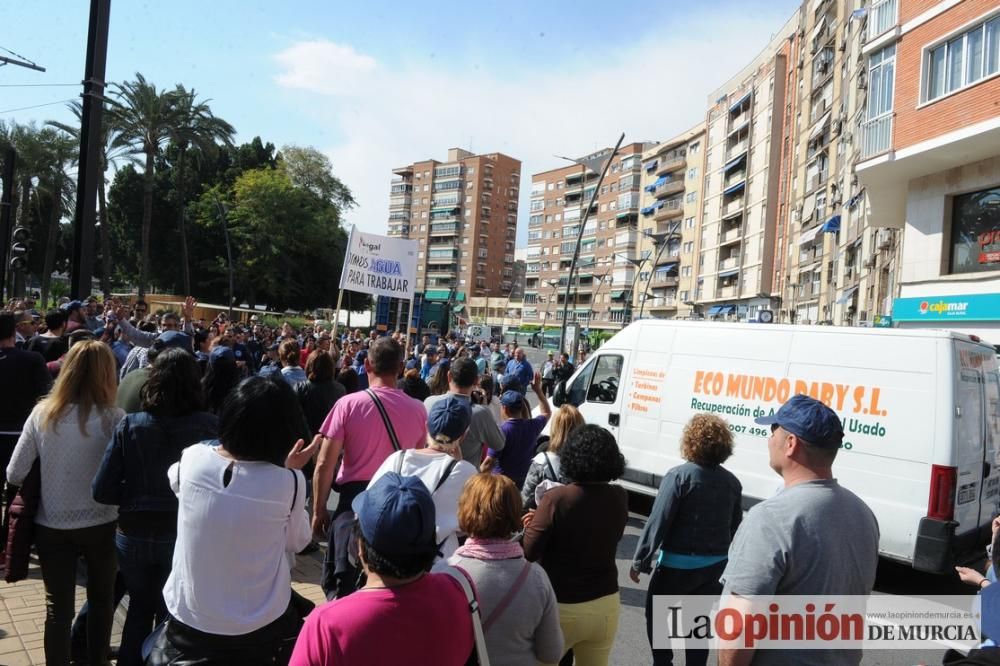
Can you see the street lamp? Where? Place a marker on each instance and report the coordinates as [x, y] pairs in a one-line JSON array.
[[631, 292], [583, 224], [554, 298], [660, 240]]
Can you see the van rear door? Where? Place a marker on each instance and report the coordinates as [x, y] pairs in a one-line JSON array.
[[976, 489]]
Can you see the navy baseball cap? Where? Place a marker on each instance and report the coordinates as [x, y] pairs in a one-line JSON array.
[[511, 399], [448, 419], [174, 339], [808, 419], [221, 352], [412, 364], [510, 382], [396, 515], [360, 357], [72, 306]]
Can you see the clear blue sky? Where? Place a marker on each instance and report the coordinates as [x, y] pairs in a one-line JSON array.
[[377, 84]]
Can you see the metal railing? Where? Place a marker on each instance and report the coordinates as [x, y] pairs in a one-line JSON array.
[[876, 135], [881, 17]]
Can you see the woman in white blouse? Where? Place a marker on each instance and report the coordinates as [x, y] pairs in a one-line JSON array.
[[67, 433], [241, 519]]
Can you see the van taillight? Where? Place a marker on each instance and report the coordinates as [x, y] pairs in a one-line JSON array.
[[941, 503]]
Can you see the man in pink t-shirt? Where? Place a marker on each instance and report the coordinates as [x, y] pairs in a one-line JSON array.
[[403, 615], [355, 429]]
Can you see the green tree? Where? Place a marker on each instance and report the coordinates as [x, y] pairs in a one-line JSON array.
[[195, 125], [55, 181], [310, 169], [145, 116]]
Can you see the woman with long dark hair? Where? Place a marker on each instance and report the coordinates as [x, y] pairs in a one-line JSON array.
[[133, 475], [574, 534], [221, 376], [67, 433], [241, 517]]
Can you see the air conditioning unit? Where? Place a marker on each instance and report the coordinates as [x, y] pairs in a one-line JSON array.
[[843, 46], [870, 263]]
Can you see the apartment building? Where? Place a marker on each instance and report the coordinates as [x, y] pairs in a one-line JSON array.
[[930, 133], [607, 268], [463, 213], [669, 225], [744, 137]]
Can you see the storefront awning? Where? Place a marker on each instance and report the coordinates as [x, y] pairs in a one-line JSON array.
[[715, 309], [846, 296], [727, 309], [617, 294]]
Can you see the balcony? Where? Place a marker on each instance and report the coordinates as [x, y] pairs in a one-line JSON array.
[[668, 188], [662, 279], [817, 180], [669, 209], [729, 291], [876, 135], [736, 150], [402, 188], [733, 207], [444, 229], [734, 178], [400, 202], [731, 236], [443, 271], [626, 240], [738, 121], [661, 303], [668, 164], [436, 256], [881, 17], [730, 263], [399, 230]]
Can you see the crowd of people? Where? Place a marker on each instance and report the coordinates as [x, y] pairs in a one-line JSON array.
[[188, 463]]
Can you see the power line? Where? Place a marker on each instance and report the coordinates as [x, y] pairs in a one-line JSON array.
[[37, 106], [37, 85]]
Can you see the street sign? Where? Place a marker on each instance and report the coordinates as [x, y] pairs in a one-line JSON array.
[[882, 321]]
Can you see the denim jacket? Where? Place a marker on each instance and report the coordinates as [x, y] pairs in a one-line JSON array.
[[696, 512], [133, 473]]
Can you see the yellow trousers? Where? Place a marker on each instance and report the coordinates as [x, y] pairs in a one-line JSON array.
[[589, 629]]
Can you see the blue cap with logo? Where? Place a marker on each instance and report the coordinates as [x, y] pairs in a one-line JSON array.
[[396, 515], [174, 339], [221, 353], [808, 419]]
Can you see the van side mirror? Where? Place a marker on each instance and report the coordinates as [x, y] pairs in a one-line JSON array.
[[559, 394]]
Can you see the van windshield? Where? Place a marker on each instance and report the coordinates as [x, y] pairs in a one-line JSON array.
[[576, 392]]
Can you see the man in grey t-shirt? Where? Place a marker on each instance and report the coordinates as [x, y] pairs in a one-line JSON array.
[[813, 538], [483, 430]]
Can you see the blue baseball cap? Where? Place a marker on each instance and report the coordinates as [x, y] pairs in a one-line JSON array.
[[808, 419], [448, 419], [511, 399], [510, 382], [396, 515], [412, 363], [174, 339], [221, 353], [71, 306], [360, 357]]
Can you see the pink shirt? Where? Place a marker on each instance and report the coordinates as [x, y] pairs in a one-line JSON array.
[[425, 622], [356, 421]]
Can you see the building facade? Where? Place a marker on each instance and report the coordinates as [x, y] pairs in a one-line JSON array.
[[463, 213], [929, 156], [669, 224], [604, 281]]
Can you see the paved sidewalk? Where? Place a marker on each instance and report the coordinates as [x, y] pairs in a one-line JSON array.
[[22, 610]]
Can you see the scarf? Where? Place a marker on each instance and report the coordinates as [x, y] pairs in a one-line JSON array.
[[490, 549]]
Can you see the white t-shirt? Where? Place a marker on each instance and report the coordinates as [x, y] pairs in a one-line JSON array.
[[429, 468], [231, 569]]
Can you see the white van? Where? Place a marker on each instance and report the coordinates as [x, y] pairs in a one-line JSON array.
[[921, 412]]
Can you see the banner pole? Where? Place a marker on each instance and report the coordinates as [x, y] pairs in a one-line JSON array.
[[409, 322], [336, 316]]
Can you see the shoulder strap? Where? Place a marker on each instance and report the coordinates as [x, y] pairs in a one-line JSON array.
[[552, 470], [295, 489], [399, 462], [477, 625], [385, 419], [507, 598], [444, 477]]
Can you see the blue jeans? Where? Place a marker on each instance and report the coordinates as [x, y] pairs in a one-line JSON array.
[[145, 563]]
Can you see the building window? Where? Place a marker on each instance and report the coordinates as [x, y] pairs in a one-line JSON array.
[[876, 129], [975, 232], [689, 223], [691, 197], [962, 60], [693, 173]]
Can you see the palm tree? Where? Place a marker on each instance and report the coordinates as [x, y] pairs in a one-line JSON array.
[[195, 126], [54, 179], [108, 155], [145, 118]]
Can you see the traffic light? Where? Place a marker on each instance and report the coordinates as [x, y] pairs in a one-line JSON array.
[[20, 240]]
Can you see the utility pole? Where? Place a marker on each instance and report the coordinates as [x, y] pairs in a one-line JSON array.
[[89, 171], [663, 242], [6, 213]]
